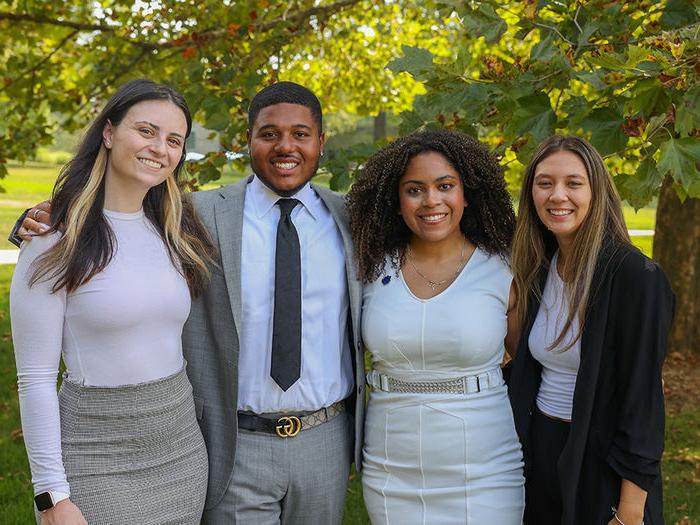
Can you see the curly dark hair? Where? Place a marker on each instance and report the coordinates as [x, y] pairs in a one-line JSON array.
[[373, 201]]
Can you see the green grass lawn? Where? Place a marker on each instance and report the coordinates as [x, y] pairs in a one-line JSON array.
[[24, 187]]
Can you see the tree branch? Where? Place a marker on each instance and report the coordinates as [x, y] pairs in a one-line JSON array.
[[300, 17], [41, 62]]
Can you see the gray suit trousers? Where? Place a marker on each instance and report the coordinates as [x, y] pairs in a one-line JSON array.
[[300, 480]]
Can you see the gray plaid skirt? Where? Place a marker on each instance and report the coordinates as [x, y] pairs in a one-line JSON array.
[[134, 454]]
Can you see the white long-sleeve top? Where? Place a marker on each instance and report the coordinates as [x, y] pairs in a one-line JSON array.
[[122, 327]]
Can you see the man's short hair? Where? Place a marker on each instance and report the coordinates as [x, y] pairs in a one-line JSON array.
[[285, 93]]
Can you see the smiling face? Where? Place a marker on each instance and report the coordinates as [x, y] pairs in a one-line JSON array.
[[146, 146], [285, 146], [431, 198], [561, 193]]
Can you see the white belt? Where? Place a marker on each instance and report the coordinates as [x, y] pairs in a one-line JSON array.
[[458, 385]]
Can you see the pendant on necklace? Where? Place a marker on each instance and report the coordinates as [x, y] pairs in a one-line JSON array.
[[433, 285]]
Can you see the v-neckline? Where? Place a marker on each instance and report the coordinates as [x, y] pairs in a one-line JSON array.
[[459, 276]]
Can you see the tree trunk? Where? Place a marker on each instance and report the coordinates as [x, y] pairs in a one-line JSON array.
[[677, 249], [379, 126]]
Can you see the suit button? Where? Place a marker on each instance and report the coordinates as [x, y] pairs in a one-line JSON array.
[[360, 389]]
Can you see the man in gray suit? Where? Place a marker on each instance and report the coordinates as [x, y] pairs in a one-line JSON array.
[[278, 454], [273, 346]]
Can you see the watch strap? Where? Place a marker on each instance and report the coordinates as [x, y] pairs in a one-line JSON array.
[[49, 499], [13, 237]]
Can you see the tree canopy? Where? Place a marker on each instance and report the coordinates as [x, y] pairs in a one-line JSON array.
[[624, 74], [61, 59]]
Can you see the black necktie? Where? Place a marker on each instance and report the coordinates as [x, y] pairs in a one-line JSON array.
[[286, 325]]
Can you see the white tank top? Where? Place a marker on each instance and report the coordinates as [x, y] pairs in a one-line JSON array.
[[559, 369]]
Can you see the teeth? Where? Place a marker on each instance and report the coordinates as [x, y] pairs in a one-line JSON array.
[[560, 212], [151, 163], [286, 165], [434, 217]]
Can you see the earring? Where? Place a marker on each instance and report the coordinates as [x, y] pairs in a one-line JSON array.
[[321, 153]]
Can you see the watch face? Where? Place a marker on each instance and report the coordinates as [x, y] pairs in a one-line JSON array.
[[43, 501]]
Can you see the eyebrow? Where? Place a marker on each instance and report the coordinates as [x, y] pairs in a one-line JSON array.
[[157, 128], [569, 175], [441, 178], [266, 126]]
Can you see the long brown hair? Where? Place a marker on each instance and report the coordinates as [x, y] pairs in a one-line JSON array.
[[87, 243], [534, 245]]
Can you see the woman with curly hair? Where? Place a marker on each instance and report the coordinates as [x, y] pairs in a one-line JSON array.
[[433, 222], [586, 383]]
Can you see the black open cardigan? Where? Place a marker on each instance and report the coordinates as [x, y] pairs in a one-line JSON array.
[[617, 429]]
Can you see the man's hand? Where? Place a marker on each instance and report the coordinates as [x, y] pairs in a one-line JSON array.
[[63, 513], [37, 221]]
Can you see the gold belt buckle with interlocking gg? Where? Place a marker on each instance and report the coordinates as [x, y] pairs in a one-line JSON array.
[[288, 426]]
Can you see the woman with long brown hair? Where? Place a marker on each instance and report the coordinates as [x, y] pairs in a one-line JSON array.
[[585, 383], [107, 289]]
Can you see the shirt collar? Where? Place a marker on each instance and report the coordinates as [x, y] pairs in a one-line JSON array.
[[264, 199]]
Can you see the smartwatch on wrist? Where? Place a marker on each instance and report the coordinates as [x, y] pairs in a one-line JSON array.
[[13, 237], [47, 500]]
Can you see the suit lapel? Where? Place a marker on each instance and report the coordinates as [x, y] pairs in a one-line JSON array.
[[336, 205], [228, 214]]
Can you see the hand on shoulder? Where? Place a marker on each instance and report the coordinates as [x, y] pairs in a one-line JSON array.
[[36, 222]]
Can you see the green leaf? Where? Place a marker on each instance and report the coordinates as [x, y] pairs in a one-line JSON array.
[[544, 50], [410, 121], [588, 29], [605, 125], [608, 61], [648, 97], [534, 115], [483, 21], [688, 112], [635, 54], [576, 109], [679, 13], [655, 123], [218, 121], [680, 158], [415, 60], [638, 189]]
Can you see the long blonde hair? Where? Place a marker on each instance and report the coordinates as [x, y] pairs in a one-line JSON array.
[[534, 245], [87, 243]]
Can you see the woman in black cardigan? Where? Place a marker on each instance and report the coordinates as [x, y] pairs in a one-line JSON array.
[[588, 405]]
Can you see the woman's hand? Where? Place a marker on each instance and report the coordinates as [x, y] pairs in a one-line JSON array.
[[65, 512], [36, 222], [630, 509]]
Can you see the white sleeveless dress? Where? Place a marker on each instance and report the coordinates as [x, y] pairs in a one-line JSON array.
[[441, 458]]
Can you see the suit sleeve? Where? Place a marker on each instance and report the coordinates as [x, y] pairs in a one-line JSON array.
[[645, 305]]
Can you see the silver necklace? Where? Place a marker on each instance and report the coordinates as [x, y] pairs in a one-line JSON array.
[[434, 285]]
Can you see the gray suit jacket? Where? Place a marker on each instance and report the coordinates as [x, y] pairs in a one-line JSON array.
[[210, 336]]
